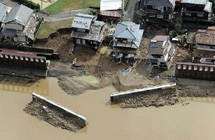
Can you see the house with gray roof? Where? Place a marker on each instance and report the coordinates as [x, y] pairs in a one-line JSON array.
[[4, 10], [156, 10], [161, 52], [20, 25], [87, 31], [126, 41], [196, 11]]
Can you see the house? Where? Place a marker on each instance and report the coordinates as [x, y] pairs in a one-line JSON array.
[[161, 51], [196, 11], [87, 31], [156, 10], [126, 40], [4, 10], [111, 9], [20, 25], [204, 44]]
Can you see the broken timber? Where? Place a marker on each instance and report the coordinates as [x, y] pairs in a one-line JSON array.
[[117, 96], [67, 112]]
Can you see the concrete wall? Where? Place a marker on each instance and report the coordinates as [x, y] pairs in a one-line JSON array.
[[117, 96], [57, 107]]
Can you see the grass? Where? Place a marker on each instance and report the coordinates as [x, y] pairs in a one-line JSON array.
[[67, 5], [48, 28]]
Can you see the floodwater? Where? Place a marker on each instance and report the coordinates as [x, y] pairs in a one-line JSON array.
[[195, 121]]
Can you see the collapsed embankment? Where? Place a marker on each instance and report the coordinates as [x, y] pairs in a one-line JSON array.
[[154, 96], [55, 114]]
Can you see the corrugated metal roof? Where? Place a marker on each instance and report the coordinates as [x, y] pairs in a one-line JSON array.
[[200, 2], [3, 10], [208, 7], [167, 3], [110, 4], [19, 14], [83, 21]]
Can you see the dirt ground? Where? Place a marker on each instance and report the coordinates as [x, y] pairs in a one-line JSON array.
[[53, 117]]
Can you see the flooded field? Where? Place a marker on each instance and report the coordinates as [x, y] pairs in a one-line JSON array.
[[195, 121]]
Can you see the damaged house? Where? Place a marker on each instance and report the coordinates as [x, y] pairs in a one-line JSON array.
[[204, 51], [156, 10], [203, 63], [87, 31], [196, 11], [4, 10], [126, 41], [111, 9], [161, 51], [20, 25]]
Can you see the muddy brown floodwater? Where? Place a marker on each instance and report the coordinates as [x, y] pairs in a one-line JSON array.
[[195, 121]]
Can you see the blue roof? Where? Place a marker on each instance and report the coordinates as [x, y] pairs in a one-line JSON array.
[[3, 10], [129, 30]]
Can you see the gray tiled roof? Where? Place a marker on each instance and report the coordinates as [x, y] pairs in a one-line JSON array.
[[83, 21], [3, 10], [166, 3], [129, 30], [200, 2], [19, 14], [95, 32]]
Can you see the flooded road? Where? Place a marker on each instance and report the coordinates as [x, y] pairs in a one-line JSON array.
[[195, 121]]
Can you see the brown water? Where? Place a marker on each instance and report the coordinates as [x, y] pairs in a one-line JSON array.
[[195, 121]]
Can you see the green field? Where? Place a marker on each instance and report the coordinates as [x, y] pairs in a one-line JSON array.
[[67, 5], [48, 28]]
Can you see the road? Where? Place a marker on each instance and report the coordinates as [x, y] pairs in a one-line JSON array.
[[129, 15], [9, 3], [64, 15]]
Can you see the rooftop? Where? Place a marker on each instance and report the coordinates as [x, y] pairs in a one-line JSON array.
[[167, 3], [206, 37], [3, 11], [94, 32], [110, 4], [19, 14], [131, 31], [157, 45], [83, 21]]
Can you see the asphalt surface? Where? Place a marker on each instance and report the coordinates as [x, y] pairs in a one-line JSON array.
[[9, 3], [129, 15]]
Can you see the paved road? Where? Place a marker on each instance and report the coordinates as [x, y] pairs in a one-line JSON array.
[[9, 3], [62, 16], [131, 10]]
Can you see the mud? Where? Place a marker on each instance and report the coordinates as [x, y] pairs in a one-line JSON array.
[[73, 86], [53, 117], [153, 98]]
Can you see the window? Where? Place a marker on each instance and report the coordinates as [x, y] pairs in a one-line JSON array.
[[156, 56], [160, 16], [81, 30], [78, 41], [200, 15], [188, 14]]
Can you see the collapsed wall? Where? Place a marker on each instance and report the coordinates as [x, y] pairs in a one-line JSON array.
[[151, 96], [55, 114]]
